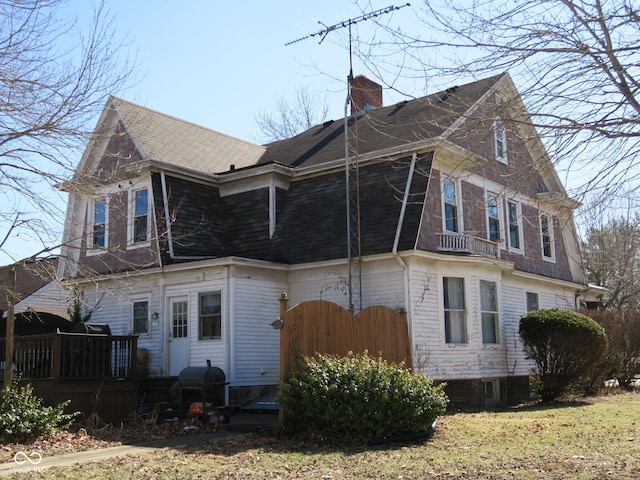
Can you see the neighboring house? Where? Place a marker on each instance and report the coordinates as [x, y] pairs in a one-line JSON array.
[[188, 236], [41, 303]]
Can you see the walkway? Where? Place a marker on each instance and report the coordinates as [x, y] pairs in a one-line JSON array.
[[242, 423]]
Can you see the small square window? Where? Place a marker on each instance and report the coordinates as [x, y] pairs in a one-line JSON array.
[[532, 301]]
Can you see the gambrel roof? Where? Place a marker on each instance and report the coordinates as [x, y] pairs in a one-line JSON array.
[[382, 128]]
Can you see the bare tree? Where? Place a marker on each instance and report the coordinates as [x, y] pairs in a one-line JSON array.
[[576, 64], [611, 254], [55, 75], [306, 110]]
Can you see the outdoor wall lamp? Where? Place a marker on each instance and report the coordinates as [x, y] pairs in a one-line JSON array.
[[277, 324], [155, 315]]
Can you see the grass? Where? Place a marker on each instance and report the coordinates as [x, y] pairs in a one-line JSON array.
[[588, 439]]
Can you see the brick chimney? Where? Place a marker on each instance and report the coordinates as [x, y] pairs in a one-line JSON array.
[[365, 94]]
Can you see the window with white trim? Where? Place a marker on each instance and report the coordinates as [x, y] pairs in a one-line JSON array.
[[140, 317], [500, 141], [532, 301], [493, 218], [450, 205], [546, 237], [209, 316], [139, 216], [455, 313], [514, 218], [99, 224], [489, 312]]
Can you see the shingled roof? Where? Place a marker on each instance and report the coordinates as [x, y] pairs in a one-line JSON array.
[[172, 140], [381, 128]]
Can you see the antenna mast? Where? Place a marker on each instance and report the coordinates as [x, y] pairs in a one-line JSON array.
[[352, 184]]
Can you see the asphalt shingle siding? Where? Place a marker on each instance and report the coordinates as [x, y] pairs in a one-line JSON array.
[[312, 226]]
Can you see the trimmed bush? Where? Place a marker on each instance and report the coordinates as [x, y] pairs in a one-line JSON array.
[[359, 396], [565, 346], [23, 415]]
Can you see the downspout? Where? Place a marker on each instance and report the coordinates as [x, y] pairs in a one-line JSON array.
[[396, 241]]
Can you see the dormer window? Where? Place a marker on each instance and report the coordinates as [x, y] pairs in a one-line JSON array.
[[99, 224], [139, 214], [500, 141]]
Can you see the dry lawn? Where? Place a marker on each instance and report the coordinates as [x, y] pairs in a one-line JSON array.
[[587, 439]]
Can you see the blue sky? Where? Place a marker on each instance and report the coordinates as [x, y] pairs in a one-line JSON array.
[[219, 64]]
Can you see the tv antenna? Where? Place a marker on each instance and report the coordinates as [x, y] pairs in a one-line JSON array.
[[352, 184]]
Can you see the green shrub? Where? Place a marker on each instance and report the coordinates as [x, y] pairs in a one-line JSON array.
[[565, 345], [23, 415], [359, 396]]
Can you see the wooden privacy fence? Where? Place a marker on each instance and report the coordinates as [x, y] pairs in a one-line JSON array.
[[319, 326]]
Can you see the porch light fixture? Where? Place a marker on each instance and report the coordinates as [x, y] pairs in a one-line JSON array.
[[155, 315], [277, 324]]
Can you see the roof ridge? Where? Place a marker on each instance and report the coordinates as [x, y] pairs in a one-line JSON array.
[[182, 120]]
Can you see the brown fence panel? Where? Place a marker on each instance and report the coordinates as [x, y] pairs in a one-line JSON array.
[[382, 331], [319, 326]]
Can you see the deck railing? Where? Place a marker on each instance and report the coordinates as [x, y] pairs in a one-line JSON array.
[[467, 243], [73, 356]]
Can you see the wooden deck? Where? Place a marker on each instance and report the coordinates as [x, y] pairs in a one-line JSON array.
[[95, 372]]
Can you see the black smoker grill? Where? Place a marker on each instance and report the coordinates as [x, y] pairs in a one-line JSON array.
[[205, 383]]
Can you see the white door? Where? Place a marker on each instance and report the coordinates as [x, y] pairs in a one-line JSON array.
[[178, 335]]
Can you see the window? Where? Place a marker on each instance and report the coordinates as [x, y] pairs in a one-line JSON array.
[[455, 315], [99, 231], [209, 316], [493, 217], [489, 311], [141, 317], [500, 141], [492, 391], [513, 212], [140, 214], [546, 236], [179, 319], [450, 205], [532, 301]]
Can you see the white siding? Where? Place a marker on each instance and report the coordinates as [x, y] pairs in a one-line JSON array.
[[192, 284], [382, 283], [512, 308], [113, 303], [256, 345]]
